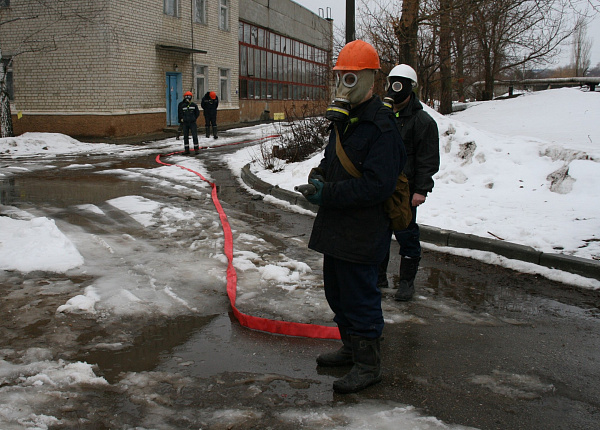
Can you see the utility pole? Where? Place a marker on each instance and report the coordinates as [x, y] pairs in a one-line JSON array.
[[350, 15]]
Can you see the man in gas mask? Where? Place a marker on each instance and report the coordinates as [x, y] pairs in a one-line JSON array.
[[420, 136], [188, 113], [358, 173]]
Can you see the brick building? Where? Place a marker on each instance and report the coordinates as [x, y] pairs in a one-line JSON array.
[[112, 68]]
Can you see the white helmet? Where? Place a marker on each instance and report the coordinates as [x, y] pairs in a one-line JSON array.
[[404, 71]]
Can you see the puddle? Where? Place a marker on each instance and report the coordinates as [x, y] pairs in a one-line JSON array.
[[135, 163], [155, 343], [490, 295], [64, 190]]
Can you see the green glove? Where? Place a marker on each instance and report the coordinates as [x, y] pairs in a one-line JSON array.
[[317, 197]]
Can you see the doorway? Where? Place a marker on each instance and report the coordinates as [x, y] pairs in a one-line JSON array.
[[173, 97]]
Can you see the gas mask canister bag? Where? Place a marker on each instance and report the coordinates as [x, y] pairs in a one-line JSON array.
[[351, 88]]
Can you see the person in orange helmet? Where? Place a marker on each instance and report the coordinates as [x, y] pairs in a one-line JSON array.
[[351, 228], [188, 113], [209, 104]]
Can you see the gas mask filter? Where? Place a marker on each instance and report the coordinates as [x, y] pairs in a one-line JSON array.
[[398, 90], [350, 89]]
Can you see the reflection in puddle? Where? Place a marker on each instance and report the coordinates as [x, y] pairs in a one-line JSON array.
[[65, 191], [147, 350], [486, 294]]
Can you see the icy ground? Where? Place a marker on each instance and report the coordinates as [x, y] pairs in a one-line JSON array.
[[143, 256]]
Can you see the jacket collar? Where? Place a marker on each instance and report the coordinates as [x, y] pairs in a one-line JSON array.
[[413, 106]]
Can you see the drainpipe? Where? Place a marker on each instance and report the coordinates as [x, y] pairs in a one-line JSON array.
[[192, 27]]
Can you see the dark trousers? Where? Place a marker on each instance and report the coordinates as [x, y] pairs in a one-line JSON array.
[[353, 296], [210, 119], [187, 127], [409, 238]]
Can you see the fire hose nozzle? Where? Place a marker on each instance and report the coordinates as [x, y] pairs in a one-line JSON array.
[[306, 189]]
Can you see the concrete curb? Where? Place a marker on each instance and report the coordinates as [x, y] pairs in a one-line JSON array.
[[438, 236]]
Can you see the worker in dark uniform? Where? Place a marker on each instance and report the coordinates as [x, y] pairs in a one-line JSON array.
[[209, 104], [421, 139], [188, 113], [351, 228]]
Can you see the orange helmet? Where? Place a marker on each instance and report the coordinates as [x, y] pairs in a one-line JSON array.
[[357, 55], [187, 93], [212, 95]]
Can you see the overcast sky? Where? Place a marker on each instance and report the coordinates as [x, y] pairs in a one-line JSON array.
[[338, 13]]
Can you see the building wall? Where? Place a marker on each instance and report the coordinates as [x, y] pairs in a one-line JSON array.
[[88, 86], [100, 73], [289, 19]]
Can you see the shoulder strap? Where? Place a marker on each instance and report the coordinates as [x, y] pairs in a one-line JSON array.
[[341, 154]]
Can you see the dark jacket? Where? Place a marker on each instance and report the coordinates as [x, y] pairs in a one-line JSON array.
[[351, 224], [209, 106], [421, 139], [187, 111]]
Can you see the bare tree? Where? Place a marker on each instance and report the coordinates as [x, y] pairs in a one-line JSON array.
[[406, 30], [511, 33], [32, 26], [445, 57], [6, 126], [582, 47]]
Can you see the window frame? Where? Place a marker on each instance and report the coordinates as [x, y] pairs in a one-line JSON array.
[[203, 20], [224, 15], [200, 73], [225, 84], [175, 4]]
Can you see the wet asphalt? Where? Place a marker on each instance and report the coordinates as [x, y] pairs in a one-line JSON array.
[[479, 345]]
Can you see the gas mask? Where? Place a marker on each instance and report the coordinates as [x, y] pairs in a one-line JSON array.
[[188, 98], [350, 89], [398, 90]]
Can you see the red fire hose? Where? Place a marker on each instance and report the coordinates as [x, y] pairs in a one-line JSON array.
[[256, 323]]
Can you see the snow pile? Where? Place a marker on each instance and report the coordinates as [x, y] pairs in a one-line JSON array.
[[525, 170], [35, 244]]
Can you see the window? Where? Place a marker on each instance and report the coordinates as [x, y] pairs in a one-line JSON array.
[[244, 88], [251, 62], [224, 15], [170, 7], [271, 63], [224, 85], [200, 11], [201, 84], [244, 61]]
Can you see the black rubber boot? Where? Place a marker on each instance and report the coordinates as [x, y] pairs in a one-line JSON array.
[[339, 358], [215, 135], [367, 366], [207, 130], [187, 150], [408, 272]]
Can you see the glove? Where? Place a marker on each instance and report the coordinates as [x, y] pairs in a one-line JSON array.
[[317, 197], [316, 173]]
